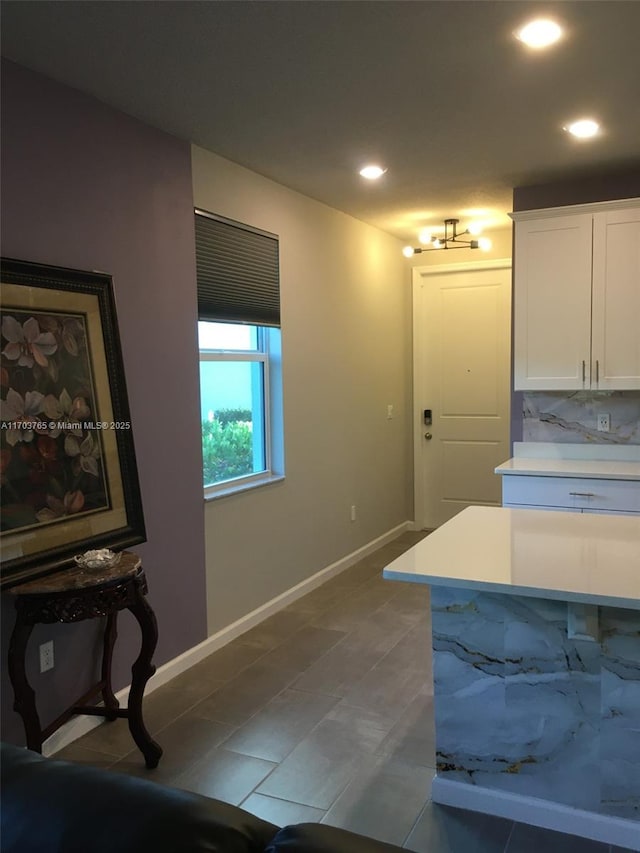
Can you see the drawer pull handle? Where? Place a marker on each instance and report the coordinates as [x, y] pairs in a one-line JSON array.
[[582, 494]]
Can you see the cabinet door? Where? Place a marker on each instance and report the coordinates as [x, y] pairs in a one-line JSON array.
[[616, 300], [552, 303]]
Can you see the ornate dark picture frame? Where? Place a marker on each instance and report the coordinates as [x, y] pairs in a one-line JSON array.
[[68, 475]]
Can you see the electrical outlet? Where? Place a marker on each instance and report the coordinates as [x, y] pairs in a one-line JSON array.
[[46, 656], [353, 513], [389, 412], [604, 422]]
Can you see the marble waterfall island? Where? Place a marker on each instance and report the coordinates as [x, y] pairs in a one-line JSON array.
[[536, 647]]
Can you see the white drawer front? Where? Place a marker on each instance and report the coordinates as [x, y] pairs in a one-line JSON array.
[[572, 493]]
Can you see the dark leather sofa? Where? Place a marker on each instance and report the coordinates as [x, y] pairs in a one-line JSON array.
[[51, 806]]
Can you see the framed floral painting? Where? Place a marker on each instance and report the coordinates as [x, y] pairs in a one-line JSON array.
[[68, 476]]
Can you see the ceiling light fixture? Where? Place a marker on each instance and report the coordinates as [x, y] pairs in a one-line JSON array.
[[540, 33], [372, 172], [452, 239], [584, 128]]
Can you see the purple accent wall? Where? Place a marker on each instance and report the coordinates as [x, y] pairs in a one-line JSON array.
[[604, 187], [88, 187]]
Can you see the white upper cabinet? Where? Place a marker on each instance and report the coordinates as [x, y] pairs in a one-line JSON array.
[[577, 297], [615, 336]]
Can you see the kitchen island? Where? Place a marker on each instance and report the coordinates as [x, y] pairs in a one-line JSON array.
[[536, 648]]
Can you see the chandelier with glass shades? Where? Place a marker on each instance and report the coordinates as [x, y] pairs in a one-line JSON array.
[[451, 239]]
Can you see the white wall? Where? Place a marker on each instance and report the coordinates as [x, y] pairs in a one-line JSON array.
[[346, 320]]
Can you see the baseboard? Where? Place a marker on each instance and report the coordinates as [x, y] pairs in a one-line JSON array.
[[532, 810], [80, 725]]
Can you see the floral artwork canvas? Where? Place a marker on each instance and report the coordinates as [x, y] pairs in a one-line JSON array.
[[47, 445], [68, 475]]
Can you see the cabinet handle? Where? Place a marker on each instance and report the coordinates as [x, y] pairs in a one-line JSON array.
[[584, 371], [597, 371], [582, 494]]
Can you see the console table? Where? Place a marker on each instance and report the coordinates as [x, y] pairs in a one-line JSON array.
[[73, 595]]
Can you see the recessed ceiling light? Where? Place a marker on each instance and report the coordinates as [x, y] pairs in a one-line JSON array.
[[540, 33], [584, 128], [372, 173]]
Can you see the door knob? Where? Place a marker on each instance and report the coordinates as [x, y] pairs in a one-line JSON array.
[[428, 436]]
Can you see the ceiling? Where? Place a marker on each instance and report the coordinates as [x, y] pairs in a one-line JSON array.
[[437, 91]]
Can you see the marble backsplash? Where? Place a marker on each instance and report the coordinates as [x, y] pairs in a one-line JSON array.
[[524, 709], [571, 417]]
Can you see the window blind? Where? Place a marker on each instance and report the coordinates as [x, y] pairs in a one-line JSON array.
[[237, 272]]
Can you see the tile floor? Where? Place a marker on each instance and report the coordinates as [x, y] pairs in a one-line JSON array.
[[322, 712]]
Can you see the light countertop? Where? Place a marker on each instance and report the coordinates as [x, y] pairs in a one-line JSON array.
[[581, 557], [599, 469], [544, 459]]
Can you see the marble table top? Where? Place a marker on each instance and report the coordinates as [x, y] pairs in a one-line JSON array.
[[76, 577], [571, 556]]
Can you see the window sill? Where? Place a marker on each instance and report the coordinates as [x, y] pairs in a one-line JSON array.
[[237, 488]]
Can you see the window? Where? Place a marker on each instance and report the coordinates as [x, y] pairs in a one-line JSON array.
[[239, 343]]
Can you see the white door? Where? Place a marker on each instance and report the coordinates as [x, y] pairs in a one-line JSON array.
[[462, 355]]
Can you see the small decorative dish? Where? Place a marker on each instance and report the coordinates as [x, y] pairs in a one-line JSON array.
[[100, 558]]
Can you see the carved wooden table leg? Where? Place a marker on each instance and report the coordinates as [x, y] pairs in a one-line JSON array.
[[72, 595], [111, 704], [141, 672], [25, 698]]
